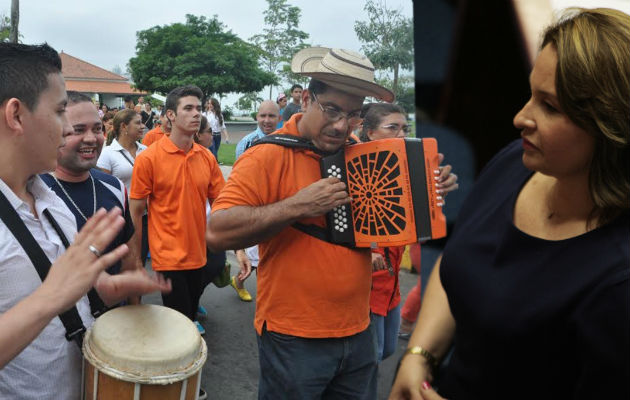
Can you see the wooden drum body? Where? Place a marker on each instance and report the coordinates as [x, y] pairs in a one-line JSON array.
[[143, 352]]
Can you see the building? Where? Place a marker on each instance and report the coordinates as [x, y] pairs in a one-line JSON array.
[[103, 86]]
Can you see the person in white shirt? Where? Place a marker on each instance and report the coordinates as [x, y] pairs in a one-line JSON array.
[[118, 157], [215, 118], [36, 361]]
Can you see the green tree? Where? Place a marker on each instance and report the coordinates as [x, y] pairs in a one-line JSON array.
[[406, 91], [249, 101], [387, 38], [5, 27], [199, 52], [281, 38]]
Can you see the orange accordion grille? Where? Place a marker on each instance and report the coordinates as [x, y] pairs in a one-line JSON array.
[[394, 198]]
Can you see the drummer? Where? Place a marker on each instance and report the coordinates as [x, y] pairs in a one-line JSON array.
[[36, 361]]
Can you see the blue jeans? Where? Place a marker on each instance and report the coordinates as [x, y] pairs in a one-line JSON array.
[[387, 328], [216, 143], [292, 367]]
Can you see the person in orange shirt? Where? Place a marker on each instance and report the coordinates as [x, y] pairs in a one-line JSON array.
[[177, 176], [312, 313], [157, 133]]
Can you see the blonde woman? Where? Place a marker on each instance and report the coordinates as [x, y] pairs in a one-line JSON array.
[[533, 287]]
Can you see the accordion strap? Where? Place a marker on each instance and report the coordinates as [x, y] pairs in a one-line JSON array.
[[293, 141], [298, 142]]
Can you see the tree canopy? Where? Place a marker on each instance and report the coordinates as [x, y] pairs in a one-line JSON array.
[[281, 38], [199, 52], [387, 38]]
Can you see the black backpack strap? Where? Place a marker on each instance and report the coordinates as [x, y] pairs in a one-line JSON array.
[[71, 319], [97, 306]]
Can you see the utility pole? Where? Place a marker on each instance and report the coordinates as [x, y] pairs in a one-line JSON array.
[[15, 19]]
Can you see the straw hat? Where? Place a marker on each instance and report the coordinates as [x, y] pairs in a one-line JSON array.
[[342, 69]]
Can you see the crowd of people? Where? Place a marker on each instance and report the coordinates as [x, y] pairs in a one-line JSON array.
[[531, 296]]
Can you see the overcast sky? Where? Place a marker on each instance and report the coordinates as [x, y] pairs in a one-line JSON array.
[[104, 32]]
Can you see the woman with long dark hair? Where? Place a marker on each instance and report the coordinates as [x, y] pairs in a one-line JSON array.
[[215, 118]]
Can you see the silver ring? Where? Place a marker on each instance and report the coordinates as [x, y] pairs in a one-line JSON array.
[[94, 251]]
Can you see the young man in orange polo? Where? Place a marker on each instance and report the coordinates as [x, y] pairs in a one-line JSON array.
[[312, 312], [177, 176]]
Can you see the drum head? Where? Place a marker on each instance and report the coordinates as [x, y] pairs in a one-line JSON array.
[[146, 344]]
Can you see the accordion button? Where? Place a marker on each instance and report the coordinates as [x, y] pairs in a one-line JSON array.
[[345, 226], [340, 229]]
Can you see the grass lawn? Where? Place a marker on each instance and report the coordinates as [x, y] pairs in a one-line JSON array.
[[226, 153]]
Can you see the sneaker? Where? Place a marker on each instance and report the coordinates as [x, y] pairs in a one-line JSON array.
[[243, 294], [202, 395], [200, 328], [202, 312]]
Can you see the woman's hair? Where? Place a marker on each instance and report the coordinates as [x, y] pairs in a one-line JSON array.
[[216, 109], [373, 114], [108, 115], [203, 125], [122, 117], [593, 89]]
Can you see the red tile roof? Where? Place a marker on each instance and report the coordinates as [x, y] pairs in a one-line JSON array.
[[82, 76], [89, 86], [73, 67]]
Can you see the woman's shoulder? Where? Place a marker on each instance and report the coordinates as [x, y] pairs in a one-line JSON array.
[[510, 155]]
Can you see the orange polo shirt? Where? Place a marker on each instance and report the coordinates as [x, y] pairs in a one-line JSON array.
[[306, 287], [153, 136], [177, 185]]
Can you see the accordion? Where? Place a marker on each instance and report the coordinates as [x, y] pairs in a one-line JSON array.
[[392, 186]]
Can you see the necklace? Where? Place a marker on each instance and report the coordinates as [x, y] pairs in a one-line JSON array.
[[72, 201]]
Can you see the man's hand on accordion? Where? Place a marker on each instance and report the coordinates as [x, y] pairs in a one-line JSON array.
[[320, 197]]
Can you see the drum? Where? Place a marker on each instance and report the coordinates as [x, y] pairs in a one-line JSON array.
[[143, 352]]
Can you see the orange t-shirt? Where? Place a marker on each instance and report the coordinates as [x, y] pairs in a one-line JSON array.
[[306, 287], [177, 185], [153, 136]]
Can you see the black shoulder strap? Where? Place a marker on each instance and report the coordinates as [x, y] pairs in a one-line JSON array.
[[298, 142], [122, 151], [97, 307], [292, 141], [71, 319]]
